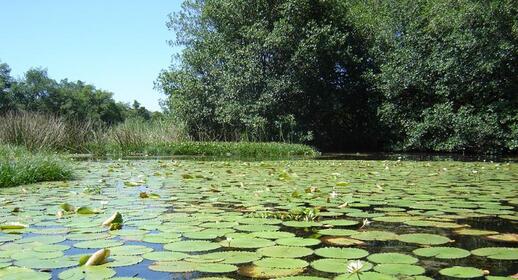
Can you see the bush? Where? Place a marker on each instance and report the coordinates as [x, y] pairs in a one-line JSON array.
[[18, 166]]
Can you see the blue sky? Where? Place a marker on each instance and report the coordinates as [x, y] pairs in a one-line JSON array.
[[117, 45]]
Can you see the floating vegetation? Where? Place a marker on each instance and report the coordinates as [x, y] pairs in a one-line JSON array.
[[291, 220]]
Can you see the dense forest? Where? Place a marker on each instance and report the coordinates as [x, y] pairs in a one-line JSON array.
[[76, 101], [413, 75]]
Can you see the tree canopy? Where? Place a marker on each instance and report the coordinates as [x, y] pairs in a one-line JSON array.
[[421, 75], [74, 100]]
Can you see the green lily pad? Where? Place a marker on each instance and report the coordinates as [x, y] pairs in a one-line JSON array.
[[298, 241], [272, 234], [130, 250], [46, 263], [424, 238], [336, 265], [369, 275], [399, 269], [281, 263], [301, 224], [246, 243], [341, 253], [87, 272], [191, 246], [442, 252], [20, 273], [232, 257], [165, 256], [340, 223], [285, 252], [337, 232], [260, 272], [98, 244], [497, 253], [475, 232], [394, 258], [375, 235], [462, 272]]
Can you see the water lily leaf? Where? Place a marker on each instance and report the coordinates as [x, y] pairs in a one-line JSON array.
[[369, 275], [301, 224], [442, 252], [98, 244], [67, 207], [12, 226], [341, 241], [86, 211], [497, 253], [260, 272], [216, 268], [424, 239], [298, 241], [119, 260], [462, 272], [272, 234], [399, 269], [375, 235], [396, 258], [336, 265], [174, 266], [19, 273], [42, 239], [45, 263], [302, 278], [281, 263], [475, 232], [247, 243], [165, 256], [285, 252], [340, 223], [191, 246], [505, 237], [337, 232], [130, 250], [232, 257], [87, 272], [341, 253]]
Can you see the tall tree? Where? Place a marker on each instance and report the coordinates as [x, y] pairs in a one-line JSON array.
[[271, 70]]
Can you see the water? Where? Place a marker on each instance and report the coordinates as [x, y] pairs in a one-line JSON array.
[[217, 196]]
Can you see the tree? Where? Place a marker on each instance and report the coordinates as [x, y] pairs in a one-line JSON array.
[[446, 70], [271, 70], [6, 82]]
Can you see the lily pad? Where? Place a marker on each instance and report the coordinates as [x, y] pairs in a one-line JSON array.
[[497, 253], [341, 253], [399, 269], [191, 246], [260, 272], [424, 238], [442, 252], [462, 272], [375, 235], [336, 265], [298, 241], [394, 258], [285, 252], [281, 263]]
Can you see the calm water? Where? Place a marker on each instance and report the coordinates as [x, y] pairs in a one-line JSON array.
[[267, 219]]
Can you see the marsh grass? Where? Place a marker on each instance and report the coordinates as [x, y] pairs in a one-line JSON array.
[[19, 166], [161, 137], [38, 132]]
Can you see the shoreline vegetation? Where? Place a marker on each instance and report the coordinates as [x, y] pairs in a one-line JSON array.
[[38, 132], [18, 166]]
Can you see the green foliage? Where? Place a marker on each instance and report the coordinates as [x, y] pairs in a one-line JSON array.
[[410, 75], [19, 166], [286, 70], [446, 72], [73, 101]]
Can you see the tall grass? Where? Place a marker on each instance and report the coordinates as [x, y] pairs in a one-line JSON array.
[[19, 166], [38, 132]]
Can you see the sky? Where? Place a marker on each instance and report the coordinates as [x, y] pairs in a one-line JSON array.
[[116, 45]]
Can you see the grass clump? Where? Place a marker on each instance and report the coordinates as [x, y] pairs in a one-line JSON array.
[[19, 166], [216, 149]]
